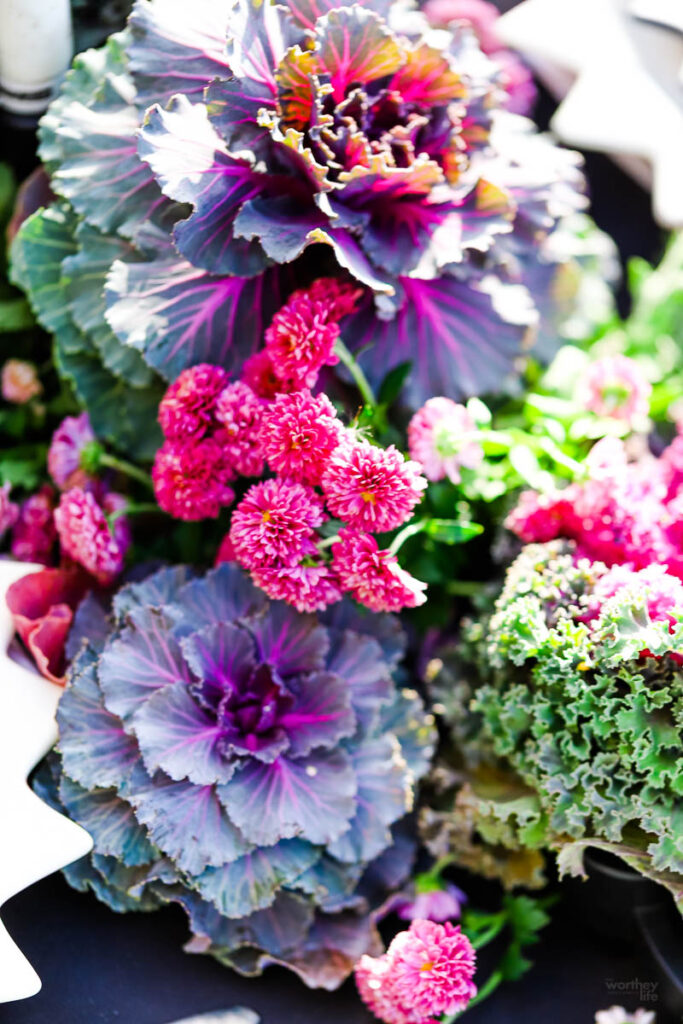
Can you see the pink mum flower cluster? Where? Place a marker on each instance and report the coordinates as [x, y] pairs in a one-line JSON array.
[[615, 387], [442, 438], [217, 430], [78, 517], [425, 974], [625, 513]]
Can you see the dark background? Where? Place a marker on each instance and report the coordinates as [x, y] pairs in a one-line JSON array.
[[97, 966]]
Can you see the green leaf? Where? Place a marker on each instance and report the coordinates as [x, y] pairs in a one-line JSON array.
[[15, 315], [452, 531], [393, 383]]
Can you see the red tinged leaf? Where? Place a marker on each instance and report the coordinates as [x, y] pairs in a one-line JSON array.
[[427, 79], [354, 47], [297, 87], [42, 605]]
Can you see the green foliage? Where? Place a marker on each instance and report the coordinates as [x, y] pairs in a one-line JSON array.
[[560, 697]]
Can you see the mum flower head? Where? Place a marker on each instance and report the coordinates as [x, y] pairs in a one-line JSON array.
[[302, 335], [273, 526], [86, 537], [442, 439], [372, 488], [64, 457], [373, 577], [299, 434], [309, 586], [191, 479], [426, 972], [258, 372], [187, 410], [9, 511], [614, 386], [240, 414], [20, 382], [34, 532]]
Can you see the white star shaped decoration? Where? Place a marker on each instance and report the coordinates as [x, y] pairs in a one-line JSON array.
[[619, 63], [36, 840]]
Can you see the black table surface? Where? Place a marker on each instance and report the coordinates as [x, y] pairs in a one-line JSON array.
[[99, 967]]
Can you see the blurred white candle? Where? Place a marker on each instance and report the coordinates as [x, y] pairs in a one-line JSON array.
[[36, 46]]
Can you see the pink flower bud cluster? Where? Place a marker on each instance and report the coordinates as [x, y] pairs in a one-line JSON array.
[[624, 513], [78, 517], [425, 974], [217, 431]]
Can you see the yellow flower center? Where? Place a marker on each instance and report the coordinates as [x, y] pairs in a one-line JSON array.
[[266, 517], [427, 965], [368, 496]]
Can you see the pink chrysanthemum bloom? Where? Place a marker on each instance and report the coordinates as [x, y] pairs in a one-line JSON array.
[[240, 412], [187, 408], [614, 386], [373, 577], [442, 438], [302, 335], [34, 533], [259, 374], [69, 440], [372, 488], [308, 588], [373, 980], [226, 551], [432, 966], [273, 524], [20, 382], [191, 479], [9, 512], [300, 433], [86, 538]]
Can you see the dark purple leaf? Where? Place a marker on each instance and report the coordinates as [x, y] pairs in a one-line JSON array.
[[144, 658], [177, 47], [321, 714], [359, 661], [192, 165], [178, 315], [312, 798], [460, 339], [95, 749], [181, 738], [186, 821], [252, 882], [223, 595], [383, 797], [289, 641], [109, 820], [222, 655]]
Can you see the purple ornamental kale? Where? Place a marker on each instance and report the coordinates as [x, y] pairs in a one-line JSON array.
[[245, 761], [221, 153]]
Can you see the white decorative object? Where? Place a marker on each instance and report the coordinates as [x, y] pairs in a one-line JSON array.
[[36, 840], [619, 63], [36, 46]]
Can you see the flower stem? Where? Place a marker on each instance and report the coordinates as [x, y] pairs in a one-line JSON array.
[[127, 468], [361, 381], [327, 543], [135, 509], [405, 534]]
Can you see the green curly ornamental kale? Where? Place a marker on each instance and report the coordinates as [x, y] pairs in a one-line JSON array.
[[575, 691]]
